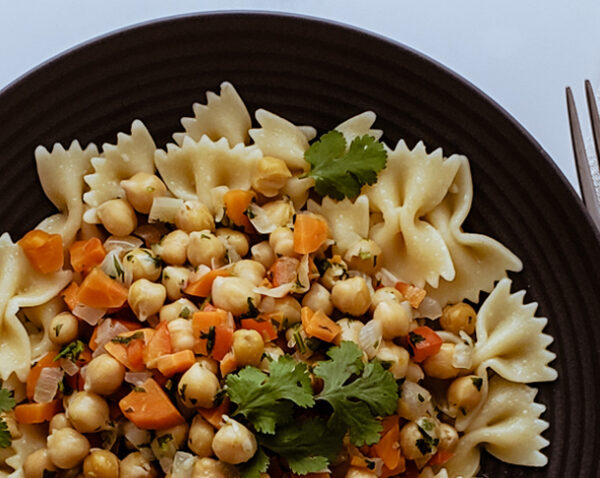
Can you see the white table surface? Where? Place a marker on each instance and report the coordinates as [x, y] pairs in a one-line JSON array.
[[522, 53]]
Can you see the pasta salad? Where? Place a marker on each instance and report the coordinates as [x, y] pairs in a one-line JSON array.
[[259, 302]]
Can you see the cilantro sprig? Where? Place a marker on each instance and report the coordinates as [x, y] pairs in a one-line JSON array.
[[341, 172], [7, 403], [71, 351]]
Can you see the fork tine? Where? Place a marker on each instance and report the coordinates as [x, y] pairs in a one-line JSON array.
[[584, 175], [594, 117]]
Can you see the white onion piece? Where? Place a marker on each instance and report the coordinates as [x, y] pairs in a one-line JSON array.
[[217, 196], [69, 367], [369, 338], [259, 218], [277, 292], [112, 265], [47, 384], [124, 243], [429, 308], [164, 209], [200, 271], [462, 356], [414, 402], [378, 462], [91, 315], [107, 331], [183, 464], [386, 278], [448, 336], [137, 378], [232, 254], [302, 276], [137, 437]]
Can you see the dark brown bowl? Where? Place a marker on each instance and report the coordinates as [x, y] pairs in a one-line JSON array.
[[320, 73]]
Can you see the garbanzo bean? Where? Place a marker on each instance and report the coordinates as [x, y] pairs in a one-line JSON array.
[[351, 296], [234, 294], [87, 412], [173, 248], [198, 387], [465, 393], [201, 437], [248, 347], [175, 280], [394, 317], [262, 252], [318, 298], [194, 216], [204, 248], [236, 239], [101, 464], [63, 328], [135, 465], [183, 308], [440, 364], [364, 255], [142, 264], [67, 448], [281, 241], [234, 443], [146, 298], [104, 375], [270, 175], [141, 189], [458, 317], [117, 217], [37, 463]]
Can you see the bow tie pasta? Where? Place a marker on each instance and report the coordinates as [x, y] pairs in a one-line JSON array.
[[255, 302]]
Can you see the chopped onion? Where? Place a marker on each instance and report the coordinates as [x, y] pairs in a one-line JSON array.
[[260, 219], [107, 331], [200, 271], [113, 267], [369, 338], [69, 367], [462, 356], [302, 276], [164, 209], [414, 402], [183, 464], [277, 292], [47, 384], [124, 243], [91, 315], [137, 378], [137, 437], [429, 308], [217, 196]]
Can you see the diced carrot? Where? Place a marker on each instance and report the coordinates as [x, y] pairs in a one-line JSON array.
[[159, 345], [310, 232], [441, 457], [358, 461], [86, 255], [214, 415], [223, 341], [424, 342], [318, 325], [44, 251], [228, 364], [388, 447], [284, 270], [177, 362], [401, 468], [263, 326], [34, 374], [135, 355], [134, 359], [125, 323], [203, 286], [148, 407], [236, 204], [99, 290], [202, 321], [32, 413], [69, 295], [414, 295]]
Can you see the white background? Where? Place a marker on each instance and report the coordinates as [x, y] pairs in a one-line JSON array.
[[520, 52]]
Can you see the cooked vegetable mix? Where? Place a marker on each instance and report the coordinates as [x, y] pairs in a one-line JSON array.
[[283, 309]]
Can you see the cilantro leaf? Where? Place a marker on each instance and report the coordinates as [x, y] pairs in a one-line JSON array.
[[71, 351], [357, 393], [5, 438], [339, 173], [7, 401], [253, 468], [267, 400], [308, 446]]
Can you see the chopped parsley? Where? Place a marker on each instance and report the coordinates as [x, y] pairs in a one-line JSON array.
[[185, 313], [210, 337], [163, 441], [7, 403], [71, 351], [57, 329], [118, 269], [415, 338], [477, 382], [127, 340]]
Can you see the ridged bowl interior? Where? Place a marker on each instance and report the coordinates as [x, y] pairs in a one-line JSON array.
[[318, 73]]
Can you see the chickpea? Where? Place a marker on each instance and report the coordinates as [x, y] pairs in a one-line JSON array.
[[117, 217], [458, 317], [194, 216], [135, 465], [172, 249], [205, 247], [179, 433], [354, 472], [270, 175], [364, 256], [234, 443], [175, 280], [142, 264], [448, 437], [318, 298], [350, 330], [280, 212], [398, 358], [37, 463], [101, 464], [87, 412], [271, 353], [386, 294], [104, 375], [64, 328], [210, 468], [209, 364], [236, 240], [234, 294], [141, 189], [414, 373], [67, 448], [288, 307], [414, 401], [146, 298], [465, 393], [183, 308], [440, 364], [252, 270], [248, 347], [351, 296], [198, 387], [201, 437], [336, 272], [394, 317], [262, 252], [411, 433], [167, 441], [281, 241], [57, 422], [182, 334]]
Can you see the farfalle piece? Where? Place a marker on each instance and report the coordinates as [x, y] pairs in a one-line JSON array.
[[61, 174], [359, 125], [223, 116], [132, 154]]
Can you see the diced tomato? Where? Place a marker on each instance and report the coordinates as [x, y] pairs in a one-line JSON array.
[[424, 342], [263, 326]]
